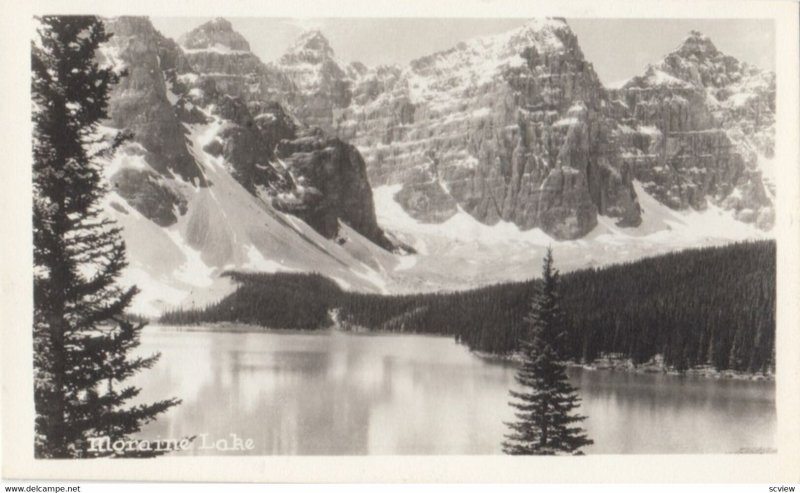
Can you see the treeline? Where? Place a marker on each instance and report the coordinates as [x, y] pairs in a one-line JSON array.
[[282, 301], [712, 306]]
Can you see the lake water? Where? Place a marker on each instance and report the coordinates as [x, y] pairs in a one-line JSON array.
[[334, 393]]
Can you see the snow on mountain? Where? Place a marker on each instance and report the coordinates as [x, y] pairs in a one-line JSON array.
[[439, 79], [227, 228], [462, 252], [457, 117], [478, 157], [187, 222]]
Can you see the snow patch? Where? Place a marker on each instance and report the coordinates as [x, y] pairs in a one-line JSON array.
[[462, 227], [193, 271], [565, 122], [406, 262], [216, 48], [256, 261], [111, 57], [649, 130], [188, 78], [617, 84], [660, 78]]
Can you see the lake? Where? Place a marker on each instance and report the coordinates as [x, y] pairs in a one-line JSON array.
[[331, 393]]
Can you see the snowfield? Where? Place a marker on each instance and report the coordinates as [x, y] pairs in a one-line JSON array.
[[462, 252]]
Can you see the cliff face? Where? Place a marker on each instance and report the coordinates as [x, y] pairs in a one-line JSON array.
[[139, 104], [331, 186], [321, 82], [276, 155], [517, 127], [698, 127], [509, 127], [219, 62], [514, 127]]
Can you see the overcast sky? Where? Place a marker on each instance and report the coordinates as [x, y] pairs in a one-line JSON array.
[[618, 48]]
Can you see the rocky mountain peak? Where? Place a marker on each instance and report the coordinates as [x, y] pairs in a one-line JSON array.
[[712, 118], [539, 24], [479, 60], [219, 24], [695, 63], [697, 44], [322, 81], [310, 47], [546, 34], [215, 34], [130, 26]]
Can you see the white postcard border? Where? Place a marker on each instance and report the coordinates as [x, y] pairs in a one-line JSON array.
[[16, 255]]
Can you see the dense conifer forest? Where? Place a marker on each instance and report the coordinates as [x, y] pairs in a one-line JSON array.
[[711, 306]]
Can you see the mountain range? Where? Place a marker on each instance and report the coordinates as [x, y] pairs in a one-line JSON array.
[[453, 171]]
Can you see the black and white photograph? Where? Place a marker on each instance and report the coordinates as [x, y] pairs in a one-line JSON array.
[[393, 235]]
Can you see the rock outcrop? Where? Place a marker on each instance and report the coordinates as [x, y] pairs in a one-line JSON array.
[[695, 127], [330, 186], [509, 127], [140, 105]]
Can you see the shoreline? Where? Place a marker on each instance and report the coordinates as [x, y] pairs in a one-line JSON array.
[[244, 328], [654, 367], [651, 367], [232, 328]]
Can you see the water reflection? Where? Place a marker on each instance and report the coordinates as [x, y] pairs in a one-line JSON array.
[[322, 393]]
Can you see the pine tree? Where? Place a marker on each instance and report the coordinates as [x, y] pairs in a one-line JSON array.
[[82, 338], [546, 421]]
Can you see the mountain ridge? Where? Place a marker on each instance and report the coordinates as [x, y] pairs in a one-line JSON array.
[[755, 208], [213, 208], [477, 169]]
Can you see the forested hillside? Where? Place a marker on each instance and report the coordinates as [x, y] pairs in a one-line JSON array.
[[712, 306]]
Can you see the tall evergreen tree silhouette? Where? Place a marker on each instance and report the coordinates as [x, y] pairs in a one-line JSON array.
[[545, 407], [82, 338]]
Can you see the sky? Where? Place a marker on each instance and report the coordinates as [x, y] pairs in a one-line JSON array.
[[618, 48]]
